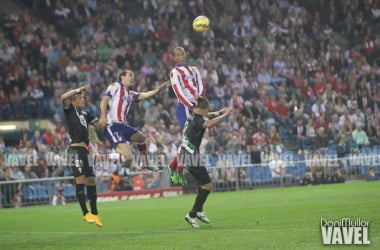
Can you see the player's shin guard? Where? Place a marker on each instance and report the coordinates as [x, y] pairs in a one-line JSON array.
[[91, 195], [81, 197], [199, 201]]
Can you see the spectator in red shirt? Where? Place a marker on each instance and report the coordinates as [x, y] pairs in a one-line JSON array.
[[283, 113], [298, 79], [341, 87], [259, 138], [48, 137], [271, 104], [319, 87]]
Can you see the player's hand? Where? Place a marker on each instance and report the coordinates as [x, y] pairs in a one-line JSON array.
[[85, 88], [165, 85], [226, 111], [102, 121]]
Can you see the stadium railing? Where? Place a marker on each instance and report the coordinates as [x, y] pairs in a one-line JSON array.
[[41, 191], [237, 174]]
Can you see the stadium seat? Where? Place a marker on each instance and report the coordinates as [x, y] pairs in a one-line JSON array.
[[69, 191], [364, 170], [215, 103], [104, 187], [261, 175], [28, 193], [41, 193]]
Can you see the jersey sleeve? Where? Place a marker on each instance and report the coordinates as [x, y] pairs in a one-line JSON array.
[[201, 88], [68, 108], [135, 96], [111, 90], [175, 80], [90, 118]]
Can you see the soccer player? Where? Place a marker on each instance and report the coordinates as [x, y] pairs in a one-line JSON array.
[[78, 119], [187, 84], [114, 108], [194, 129]]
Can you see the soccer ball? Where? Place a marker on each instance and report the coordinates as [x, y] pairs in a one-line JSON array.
[[201, 24]]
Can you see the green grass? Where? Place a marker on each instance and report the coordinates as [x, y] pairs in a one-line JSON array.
[[280, 218]]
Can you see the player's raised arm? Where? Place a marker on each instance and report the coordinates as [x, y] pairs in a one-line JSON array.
[[65, 98], [145, 95], [223, 114]]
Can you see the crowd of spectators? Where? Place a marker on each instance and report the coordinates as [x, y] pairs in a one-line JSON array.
[[308, 70]]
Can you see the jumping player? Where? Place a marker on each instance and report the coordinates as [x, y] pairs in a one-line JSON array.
[[194, 129], [187, 84], [78, 119], [114, 108]]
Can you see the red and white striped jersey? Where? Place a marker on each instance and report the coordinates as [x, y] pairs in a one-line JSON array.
[[187, 84], [120, 102]]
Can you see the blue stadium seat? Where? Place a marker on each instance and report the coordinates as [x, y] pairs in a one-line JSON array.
[[288, 156], [296, 170], [42, 193], [377, 168], [104, 187], [69, 191], [366, 149], [215, 103], [376, 148], [261, 175], [28, 193], [286, 134], [212, 160], [364, 170]]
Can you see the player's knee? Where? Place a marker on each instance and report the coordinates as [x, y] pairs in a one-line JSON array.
[[90, 181], [207, 186], [80, 179], [138, 137]]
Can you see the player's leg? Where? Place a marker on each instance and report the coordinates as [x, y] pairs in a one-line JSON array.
[[181, 113], [92, 197], [76, 163], [205, 187], [91, 190], [125, 150], [139, 138], [115, 134]]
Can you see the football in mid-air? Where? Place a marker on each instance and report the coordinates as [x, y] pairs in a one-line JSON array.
[[201, 24]]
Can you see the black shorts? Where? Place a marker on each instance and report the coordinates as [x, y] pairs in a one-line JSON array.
[[200, 174], [193, 163], [78, 161]]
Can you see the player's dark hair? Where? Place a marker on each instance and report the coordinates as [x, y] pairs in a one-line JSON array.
[[124, 73], [202, 102]]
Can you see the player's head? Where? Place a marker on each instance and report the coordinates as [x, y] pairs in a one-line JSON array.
[[202, 103], [127, 78], [179, 55], [78, 100]]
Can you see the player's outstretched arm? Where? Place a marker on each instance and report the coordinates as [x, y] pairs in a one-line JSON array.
[[65, 98], [213, 114], [145, 95], [224, 113]]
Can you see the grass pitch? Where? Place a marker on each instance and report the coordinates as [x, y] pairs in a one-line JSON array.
[[280, 218]]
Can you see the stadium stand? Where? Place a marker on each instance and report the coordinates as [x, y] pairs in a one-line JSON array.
[[290, 60]]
